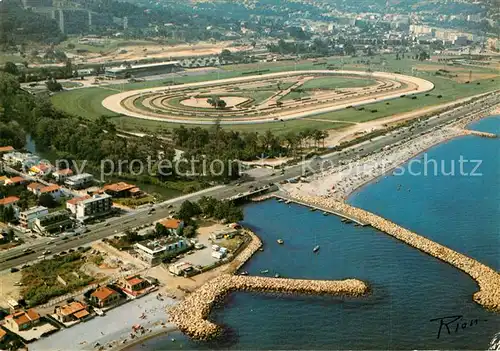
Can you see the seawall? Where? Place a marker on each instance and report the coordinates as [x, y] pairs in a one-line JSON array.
[[487, 278], [191, 314]]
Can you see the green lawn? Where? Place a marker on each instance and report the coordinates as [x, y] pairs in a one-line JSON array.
[[294, 95], [87, 102], [335, 83]]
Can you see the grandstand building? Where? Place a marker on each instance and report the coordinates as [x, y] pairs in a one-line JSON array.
[[142, 70]]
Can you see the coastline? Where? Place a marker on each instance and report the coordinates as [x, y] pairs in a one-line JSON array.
[[349, 178]]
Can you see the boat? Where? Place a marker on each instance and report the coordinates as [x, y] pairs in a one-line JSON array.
[[261, 249], [348, 221], [264, 271], [316, 248], [325, 213], [276, 275], [356, 224], [288, 201], [312, 209], [280, 241], [343, 220], [280, 200], [244, 273]]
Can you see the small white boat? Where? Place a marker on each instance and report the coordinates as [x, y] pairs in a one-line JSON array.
[[316, 248], [264, 271], [276, 275], [280, 241]]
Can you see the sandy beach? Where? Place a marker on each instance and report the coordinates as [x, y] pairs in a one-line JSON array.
[[339, 182], [112, 329]]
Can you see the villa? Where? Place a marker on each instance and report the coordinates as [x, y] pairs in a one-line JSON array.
[[134, 286], [62, 174], [174, 226], [72, 313], [104, 297], [22, 320]]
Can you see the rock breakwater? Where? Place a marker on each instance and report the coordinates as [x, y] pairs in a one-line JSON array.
[[487, 278], [191, 314]]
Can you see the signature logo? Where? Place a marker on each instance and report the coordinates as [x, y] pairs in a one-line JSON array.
[[455, 324]]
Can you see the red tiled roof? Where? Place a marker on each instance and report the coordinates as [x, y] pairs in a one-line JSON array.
[[117, 187], [171, 223], [6, 148], [103, 293], [9, 200], [72, 308], [49, 188], [23, 317], [34, 186], [66, 171], [17, 179], [76, 200], [134, 280]]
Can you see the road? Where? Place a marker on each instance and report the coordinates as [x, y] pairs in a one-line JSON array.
[[140, 217]]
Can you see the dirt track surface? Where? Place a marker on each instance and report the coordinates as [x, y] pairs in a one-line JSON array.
[[411, 85]]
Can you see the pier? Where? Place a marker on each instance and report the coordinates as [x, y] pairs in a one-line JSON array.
[[191, 315], [480, 134], [487, 278]]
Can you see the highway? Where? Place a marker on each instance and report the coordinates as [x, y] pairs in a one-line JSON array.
[[8, 259]]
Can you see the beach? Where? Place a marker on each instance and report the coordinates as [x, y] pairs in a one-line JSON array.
[[112, 331]]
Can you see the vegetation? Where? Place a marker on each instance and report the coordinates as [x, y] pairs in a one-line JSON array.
[[40, 282]]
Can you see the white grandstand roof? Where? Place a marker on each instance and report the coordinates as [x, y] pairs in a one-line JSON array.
[[148, 65]]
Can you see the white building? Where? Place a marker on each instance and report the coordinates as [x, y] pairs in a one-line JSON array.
[[79, 181], [27, 218], [95, 206], [25, 159], [153, 251]]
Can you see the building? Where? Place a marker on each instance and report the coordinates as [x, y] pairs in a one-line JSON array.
[[9, 201], [54, 190], [28, 217], [120, 189], [141, 70], [62, 174], [104, 297], [221, 234], [4, 149], [73, 312], [35, 187], [154, 251], [25, 159], [80, 181], [52, 222], [22, 320], [134, 286], [71, 204], [92, 207], [40, 170], [15, 181], [84, 72], [174, 226]]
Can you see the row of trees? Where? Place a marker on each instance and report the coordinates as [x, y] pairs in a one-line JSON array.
[[210, 207]]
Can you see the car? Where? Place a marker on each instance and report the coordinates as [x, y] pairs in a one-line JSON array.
[[81, 248], [71, 250], [62, 253], [251, 186], [18, 284], [170, 206], [24, 266], [47, 252], [14, 270]]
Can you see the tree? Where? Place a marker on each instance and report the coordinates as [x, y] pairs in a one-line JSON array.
[[7, 213], [422, 56], [188, 210], [11, 68], [47, 200], [189, 231], [217, 102], [160, 230], [132, 236], [53, 85]]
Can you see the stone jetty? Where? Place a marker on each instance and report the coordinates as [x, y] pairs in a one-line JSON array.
[[487, 278], [191, 315]]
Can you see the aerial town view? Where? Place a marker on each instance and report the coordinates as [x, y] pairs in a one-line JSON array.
[[249, 174]]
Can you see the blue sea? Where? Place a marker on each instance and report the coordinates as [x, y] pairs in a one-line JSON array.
[[410, 288]]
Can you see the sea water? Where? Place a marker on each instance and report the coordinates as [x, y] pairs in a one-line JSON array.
[[409, 288]]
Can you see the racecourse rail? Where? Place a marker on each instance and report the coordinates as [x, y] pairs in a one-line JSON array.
[[410, 86]]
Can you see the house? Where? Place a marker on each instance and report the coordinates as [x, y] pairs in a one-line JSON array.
[[174, 226], [79, 181], [35, 187], [9, 201], [71, 204], [104, 297], [54, 190], [120, 189], [181, 269], [22, 320], [92, 207], [40, 169], [154, 251], [25, 159], [134, 285], [73, 312], [62, 174], [28, 217], [15, 181], [6, 149], [52, 222]]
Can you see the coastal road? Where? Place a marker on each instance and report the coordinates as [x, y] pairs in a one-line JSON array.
[[14, 257]]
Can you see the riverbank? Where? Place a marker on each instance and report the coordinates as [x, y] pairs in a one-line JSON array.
[[340, 182]]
